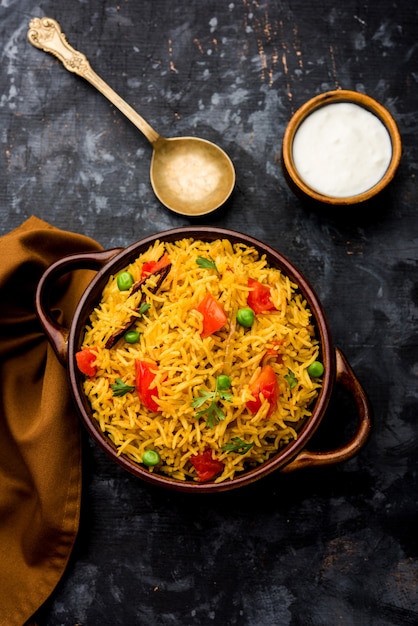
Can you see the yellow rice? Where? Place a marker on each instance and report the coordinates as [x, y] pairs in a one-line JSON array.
[[170, 337]]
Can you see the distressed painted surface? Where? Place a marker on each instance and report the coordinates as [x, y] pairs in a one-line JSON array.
[[337, 546]]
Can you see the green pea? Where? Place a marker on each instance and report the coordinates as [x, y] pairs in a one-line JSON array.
[[150, 458], [245, 317], [223, 382], [315, 369], [132, 336], [125, 280]]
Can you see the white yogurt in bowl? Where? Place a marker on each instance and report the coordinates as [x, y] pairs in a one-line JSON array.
[[341, 147]]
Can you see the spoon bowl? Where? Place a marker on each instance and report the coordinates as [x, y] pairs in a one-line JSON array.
[[190, 176]]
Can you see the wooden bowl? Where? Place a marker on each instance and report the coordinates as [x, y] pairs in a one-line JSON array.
[[66, 342], [310, 190]]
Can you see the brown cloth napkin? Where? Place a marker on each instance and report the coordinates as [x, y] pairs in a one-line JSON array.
[[40, 445]]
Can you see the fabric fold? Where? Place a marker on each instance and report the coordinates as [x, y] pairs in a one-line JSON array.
[[40, 443]]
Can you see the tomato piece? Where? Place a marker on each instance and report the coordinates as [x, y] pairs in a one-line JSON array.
[[259, 298], [265, 384], [214, 317], [205, 466], [85, 359], [150, 267], [144, 375]]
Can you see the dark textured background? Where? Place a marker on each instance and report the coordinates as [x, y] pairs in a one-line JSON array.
[[336, 546]]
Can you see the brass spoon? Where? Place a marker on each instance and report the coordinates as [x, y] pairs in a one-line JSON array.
[[190, 176]]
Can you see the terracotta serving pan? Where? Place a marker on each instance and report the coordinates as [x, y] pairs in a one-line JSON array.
[[296, 455]]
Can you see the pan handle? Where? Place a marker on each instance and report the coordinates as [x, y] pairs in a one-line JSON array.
[[56, 332], [346, 377]]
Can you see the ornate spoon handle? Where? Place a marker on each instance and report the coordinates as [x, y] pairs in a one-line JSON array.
[[45, 33]]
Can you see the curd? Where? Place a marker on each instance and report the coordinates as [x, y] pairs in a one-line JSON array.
[[341, 150]]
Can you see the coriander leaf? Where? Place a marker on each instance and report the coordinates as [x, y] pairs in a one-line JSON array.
[[206, 263], [291, 379], [120, 388], [204, 413], [213, 413], [237, 445], [144, 308], [200, 401]]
